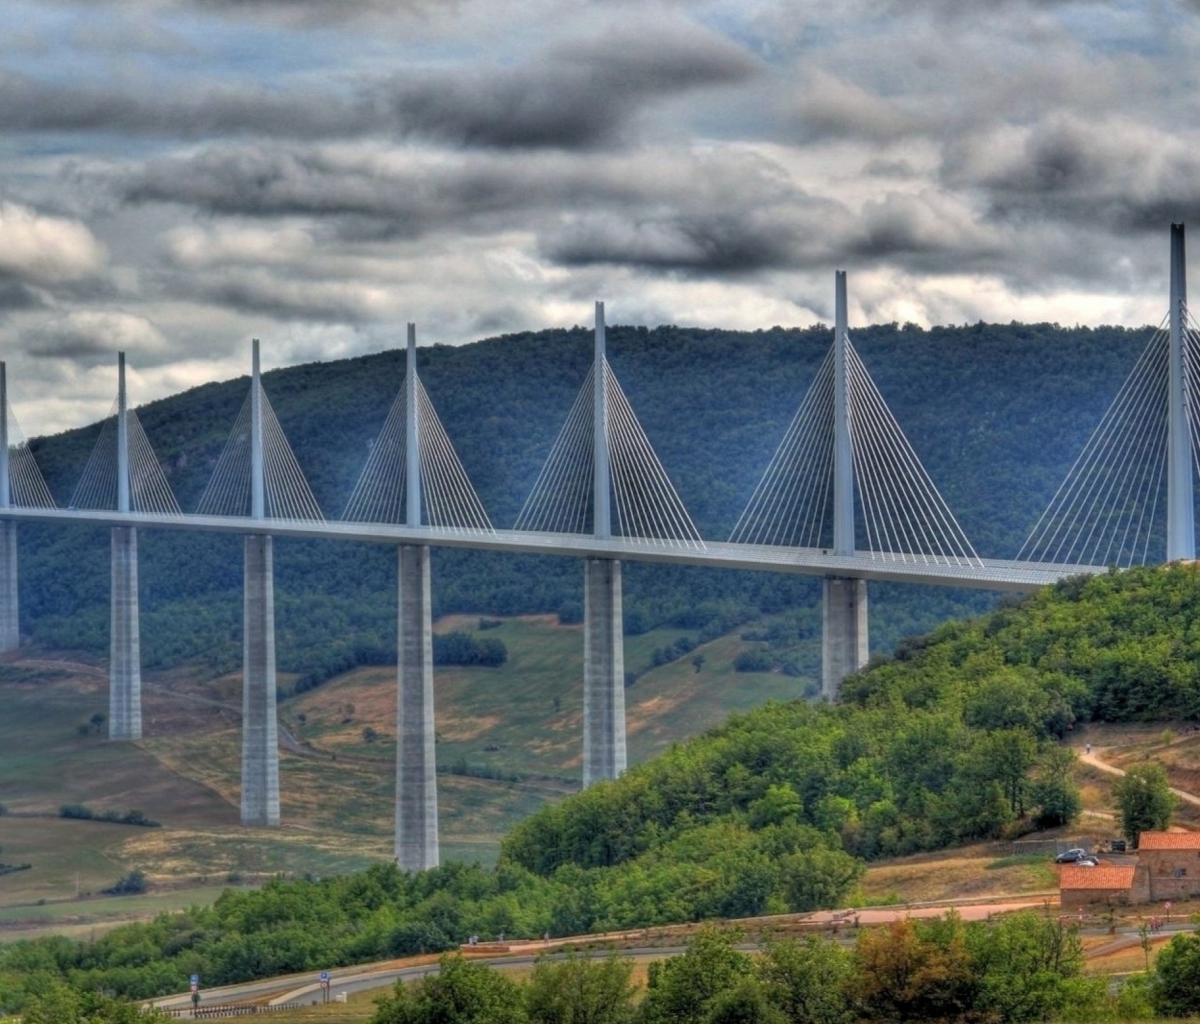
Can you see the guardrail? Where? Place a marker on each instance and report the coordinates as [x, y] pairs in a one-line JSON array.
[[225, 1009]]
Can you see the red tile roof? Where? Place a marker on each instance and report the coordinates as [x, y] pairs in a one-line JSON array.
[[1169, 841], [1106, 876]]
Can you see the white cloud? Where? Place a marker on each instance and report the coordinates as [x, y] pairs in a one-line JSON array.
[[43, 249]]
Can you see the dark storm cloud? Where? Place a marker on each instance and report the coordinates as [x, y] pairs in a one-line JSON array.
[[16, 296], [31, 106], [578, 94], [722, 214], [1118, 174]]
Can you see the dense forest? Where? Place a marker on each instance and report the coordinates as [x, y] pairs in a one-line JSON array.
[[956, 737], [997, 413]]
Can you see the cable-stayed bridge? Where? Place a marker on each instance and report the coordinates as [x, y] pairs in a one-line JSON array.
[[845, 497]]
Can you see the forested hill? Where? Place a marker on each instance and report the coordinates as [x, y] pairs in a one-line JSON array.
[[997, 413]]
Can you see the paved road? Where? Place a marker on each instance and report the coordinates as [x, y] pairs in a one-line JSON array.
[[363, 977]]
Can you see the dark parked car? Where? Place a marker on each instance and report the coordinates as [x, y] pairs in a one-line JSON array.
[[1071, 856]]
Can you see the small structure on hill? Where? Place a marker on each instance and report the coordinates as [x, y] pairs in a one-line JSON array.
[[1171, 863], [1167, 868], [1106, 883]]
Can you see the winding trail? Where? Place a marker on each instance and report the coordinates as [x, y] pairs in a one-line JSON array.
[[1093, 758]]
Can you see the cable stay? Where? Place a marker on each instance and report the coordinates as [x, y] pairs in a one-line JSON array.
[[26, 485], [448, 500], [903, 515], [1111, 507], [286, 491], [149, 490], [646, 503]]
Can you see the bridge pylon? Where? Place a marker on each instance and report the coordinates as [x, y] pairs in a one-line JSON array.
[[845, 623], [21, 486], [1129, 498], [844, 453], [123, 474], [257, 477], [602, 463], [414, 476]]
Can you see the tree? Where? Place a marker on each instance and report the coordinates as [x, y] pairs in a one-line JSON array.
[[1145, 799], [808, 979], [1175, 985], [680, 990], [1054, 790], [914, 971], [575, 991], [460, 993], [1030, 968], [746, 1002]]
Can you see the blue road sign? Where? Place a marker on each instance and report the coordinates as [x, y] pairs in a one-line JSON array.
[[195, 979], [324, 975]]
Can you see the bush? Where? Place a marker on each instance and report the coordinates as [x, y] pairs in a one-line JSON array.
[[127, 885], [78, 811], [753, 661]]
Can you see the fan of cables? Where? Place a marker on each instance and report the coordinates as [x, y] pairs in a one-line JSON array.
[[286, 492], [903, 516], [448, 500], [646, 503], [148, 488]]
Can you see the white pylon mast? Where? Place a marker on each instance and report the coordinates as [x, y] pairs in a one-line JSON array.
[[843, 457], [601, 513], [1181, 529], [412, 440]]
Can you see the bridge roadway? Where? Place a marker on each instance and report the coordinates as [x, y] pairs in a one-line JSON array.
[[983, 574]]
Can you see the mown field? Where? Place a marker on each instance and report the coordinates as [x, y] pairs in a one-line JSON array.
[[508, 740]]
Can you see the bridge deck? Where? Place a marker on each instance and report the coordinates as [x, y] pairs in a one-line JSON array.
[[985, 574]]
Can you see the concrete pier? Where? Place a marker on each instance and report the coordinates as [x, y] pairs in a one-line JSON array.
[[844, 636], [260, 737], [603, 672], [125, 662], [10, 635], [416, 764]]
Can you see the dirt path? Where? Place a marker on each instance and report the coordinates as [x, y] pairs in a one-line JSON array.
[[1093, 758]]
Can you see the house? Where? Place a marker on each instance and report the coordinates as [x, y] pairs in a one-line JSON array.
[[1171, 862], [1106, 883]]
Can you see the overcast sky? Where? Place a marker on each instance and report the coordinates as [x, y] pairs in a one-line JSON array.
[[178, 176]]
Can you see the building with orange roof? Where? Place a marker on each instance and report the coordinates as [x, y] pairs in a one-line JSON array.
[[1171, 861], [1106, 883]]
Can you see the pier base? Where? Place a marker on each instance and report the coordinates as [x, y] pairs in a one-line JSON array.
[[844, 637], [125, 653], [416, 763], [603, 672], [260, 735]]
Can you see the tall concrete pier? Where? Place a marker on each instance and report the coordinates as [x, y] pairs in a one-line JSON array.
[[260, 734], [416, 765], [844, 637], [10, 635], [603, 646], [603, 672], [125, 661], [416, 758]]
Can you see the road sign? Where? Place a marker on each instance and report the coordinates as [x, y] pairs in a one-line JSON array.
[[325, 976], [195, 979]]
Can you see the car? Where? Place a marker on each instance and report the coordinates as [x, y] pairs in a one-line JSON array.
[[1071, 856], [1087, 862]]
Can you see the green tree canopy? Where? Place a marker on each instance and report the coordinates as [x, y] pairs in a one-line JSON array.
[[1145, 800]]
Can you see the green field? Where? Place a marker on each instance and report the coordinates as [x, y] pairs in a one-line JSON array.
[[508, 739]]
